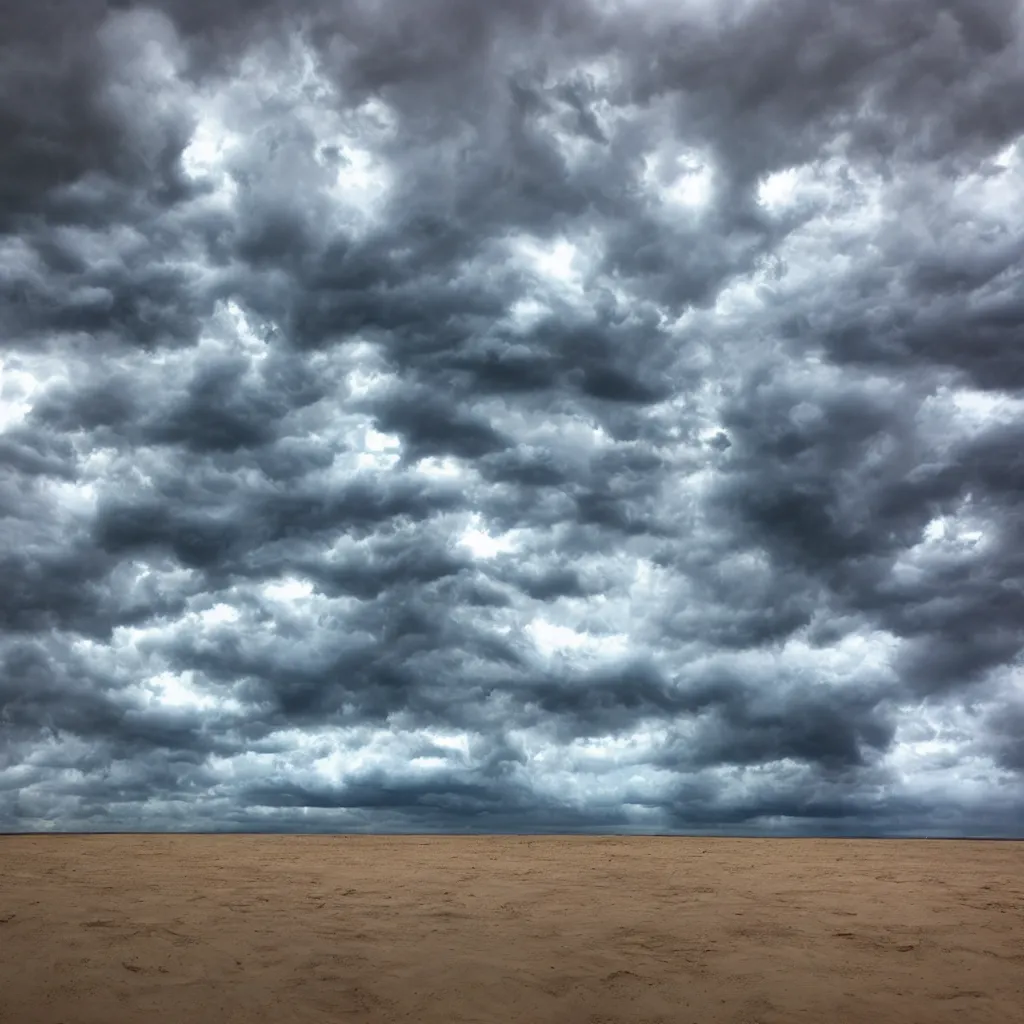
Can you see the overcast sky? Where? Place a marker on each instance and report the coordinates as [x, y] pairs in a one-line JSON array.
[[522, 415]]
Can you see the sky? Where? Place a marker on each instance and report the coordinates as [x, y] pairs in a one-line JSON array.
[[531, 415]]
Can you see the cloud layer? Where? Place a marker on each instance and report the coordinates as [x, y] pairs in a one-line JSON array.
[[513, 416]]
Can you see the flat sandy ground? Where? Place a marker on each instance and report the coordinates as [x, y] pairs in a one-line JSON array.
[[198, 929]]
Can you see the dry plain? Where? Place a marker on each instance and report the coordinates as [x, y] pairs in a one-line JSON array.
[[578, 930]]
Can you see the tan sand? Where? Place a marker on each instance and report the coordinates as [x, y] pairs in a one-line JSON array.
[[218, 929]]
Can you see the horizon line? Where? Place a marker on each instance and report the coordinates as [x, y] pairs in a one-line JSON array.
[[515, 834]]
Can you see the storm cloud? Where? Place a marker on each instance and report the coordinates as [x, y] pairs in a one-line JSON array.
[[512, 416]]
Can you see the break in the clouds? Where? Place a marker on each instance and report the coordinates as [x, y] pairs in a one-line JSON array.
[[512, 415]]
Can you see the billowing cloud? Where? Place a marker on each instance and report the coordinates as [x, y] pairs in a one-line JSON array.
[[512, 416]]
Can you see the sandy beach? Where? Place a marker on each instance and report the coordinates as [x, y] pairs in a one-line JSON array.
[[580, 930]]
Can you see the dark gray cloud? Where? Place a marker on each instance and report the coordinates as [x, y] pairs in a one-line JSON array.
[[512, 416]]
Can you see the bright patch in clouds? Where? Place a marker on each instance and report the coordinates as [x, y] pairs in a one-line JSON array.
[[220, 614], [17, 388], [683, 180], [692, 189], [978, 409], [288, 589], [208, 154], [558, 264], [778, 190], [483, 544], [444, 468], [377, 441], [243, 334], [361, 185], [176, 690], [954, 532], [526, 313], [552, 639]]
